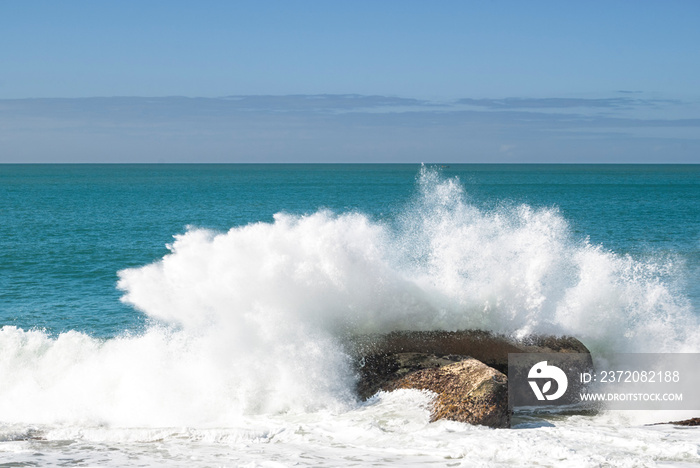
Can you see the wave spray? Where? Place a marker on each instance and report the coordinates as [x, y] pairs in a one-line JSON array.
[[255, 320]]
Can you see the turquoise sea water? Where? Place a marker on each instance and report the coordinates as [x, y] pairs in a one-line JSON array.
[[65, 230], [198, 315]]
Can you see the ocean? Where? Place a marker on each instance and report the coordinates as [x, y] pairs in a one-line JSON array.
[[198, 315]]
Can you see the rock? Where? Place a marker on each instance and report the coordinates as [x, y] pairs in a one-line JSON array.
[[379, 371], [487, 347], [687, 422], [467, 391], [467, 369]]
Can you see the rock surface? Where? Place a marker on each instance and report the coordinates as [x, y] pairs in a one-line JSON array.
[[487, 347], [687, 422], [467, 391], [466, 369]]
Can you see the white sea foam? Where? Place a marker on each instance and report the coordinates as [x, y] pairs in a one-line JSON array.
[[391, 429], [253, 323]]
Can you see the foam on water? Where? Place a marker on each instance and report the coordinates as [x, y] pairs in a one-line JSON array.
[[253, 321], [388, 430]]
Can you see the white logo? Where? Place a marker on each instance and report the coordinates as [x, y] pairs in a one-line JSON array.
[[542, 371]]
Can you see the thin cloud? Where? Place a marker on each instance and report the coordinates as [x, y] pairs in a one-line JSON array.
[[335, 128], [175, 107], [556, 103], [319, 102]]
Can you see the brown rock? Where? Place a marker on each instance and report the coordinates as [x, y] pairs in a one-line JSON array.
[[417, 360], [467, 391], [487, 347], [687, 422], [378, 372]]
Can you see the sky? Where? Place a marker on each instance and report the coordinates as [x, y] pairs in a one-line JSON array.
[[349, 81]]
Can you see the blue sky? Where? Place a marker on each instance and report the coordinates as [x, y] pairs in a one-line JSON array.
[[365, 81]]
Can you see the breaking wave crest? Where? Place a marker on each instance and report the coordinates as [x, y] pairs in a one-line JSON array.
[[254, 320]]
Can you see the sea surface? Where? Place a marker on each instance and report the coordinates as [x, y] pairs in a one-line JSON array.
[[199, 315]]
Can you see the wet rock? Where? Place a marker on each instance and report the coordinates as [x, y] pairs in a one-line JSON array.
[[487, 347], [687, 422], [466, 369], [380, 371], [467, 391]]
